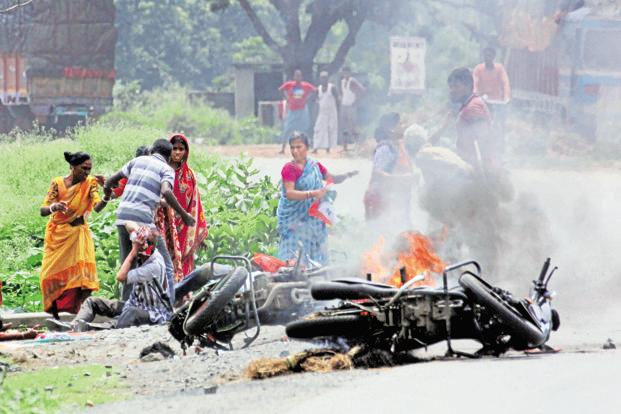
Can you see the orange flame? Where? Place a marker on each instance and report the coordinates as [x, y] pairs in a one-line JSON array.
[[415, 253]]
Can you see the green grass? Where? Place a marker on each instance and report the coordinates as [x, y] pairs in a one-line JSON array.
[[170, 110], [31, 163], [65, 389], [31, 160], [241, 218]]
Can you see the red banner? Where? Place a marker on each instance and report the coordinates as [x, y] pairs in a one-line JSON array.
[[77, 72]]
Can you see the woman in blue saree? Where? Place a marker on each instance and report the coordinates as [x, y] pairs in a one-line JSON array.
[[302, 180]]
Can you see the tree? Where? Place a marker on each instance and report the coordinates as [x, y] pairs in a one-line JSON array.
[[163, 42], [317, 17]]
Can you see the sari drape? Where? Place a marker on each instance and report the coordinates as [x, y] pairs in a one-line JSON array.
[[68, 252], [165, 222], [389, 197], [295, 225], [187, 193]]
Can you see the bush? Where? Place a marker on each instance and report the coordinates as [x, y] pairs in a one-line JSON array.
[[241, 209], [239, 204], [171, 110]]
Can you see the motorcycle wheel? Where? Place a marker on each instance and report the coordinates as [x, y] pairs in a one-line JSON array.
[[523, 333], [211, 309], [347, 326]]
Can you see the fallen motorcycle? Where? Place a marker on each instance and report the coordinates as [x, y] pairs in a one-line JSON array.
[[239, 299], [404, 319]]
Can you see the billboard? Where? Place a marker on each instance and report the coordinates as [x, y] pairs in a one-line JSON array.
[[407, 65]]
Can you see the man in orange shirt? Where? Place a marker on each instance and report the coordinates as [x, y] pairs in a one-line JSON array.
[[490, 78], [491, 82]]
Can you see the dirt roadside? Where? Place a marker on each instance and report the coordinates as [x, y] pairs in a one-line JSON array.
[[120, 350], [273, 151]]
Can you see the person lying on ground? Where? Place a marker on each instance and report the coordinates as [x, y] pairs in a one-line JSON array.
[[148, 303]]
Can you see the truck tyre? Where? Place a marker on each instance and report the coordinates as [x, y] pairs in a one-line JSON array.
[[521, 330], [22, 116], [210, 310], [6, 120]]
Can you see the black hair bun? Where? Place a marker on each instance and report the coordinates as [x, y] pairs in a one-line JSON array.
[[76, 158]]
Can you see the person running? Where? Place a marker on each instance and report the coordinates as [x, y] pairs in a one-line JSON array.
[[297, 93], [68, 270], [327, 123], [148, 179]]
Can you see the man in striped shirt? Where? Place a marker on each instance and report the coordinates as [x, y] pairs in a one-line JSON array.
[[149, 178]]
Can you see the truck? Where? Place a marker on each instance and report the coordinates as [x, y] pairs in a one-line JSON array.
[[575, 73], [56, 62]]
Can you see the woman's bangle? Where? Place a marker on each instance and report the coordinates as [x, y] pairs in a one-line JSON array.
[[106, 199], [52, 208]]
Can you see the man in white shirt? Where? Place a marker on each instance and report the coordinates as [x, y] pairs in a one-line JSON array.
[[351, 90]]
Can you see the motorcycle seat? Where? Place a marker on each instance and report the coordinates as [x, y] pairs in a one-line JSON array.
[[351, 289], [358, 281]]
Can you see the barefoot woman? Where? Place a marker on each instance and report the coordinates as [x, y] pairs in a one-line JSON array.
[[68, 273], [302, 181]]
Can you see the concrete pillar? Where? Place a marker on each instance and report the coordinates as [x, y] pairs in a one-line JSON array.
[[244, 92]]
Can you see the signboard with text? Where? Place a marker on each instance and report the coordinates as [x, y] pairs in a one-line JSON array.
[[407, 64]]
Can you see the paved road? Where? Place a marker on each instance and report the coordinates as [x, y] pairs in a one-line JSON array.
[[583, 222], [577, 381]]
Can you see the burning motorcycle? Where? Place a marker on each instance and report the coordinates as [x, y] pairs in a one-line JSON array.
[[239, 299], [406, 318]]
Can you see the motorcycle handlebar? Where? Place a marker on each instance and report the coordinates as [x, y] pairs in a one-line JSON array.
[[544, 270], [462, 264]]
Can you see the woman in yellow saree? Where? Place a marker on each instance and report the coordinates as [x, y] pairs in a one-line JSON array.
[[68, 272]]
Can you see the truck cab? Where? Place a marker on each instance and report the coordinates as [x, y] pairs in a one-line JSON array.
[[578, 76], [590, 74], [55, 70]]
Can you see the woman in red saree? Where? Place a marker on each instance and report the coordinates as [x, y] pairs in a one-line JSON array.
[[186, 191]]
